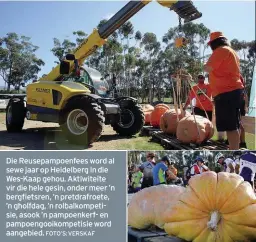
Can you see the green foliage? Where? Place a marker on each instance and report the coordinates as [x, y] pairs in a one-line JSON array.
[[143, 63], [18, 61]]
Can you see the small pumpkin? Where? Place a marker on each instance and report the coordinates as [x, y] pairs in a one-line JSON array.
[[156, 114], [214, 207], [147, 108], [147, 206], [194, 129], [147, 117], [169, 120]]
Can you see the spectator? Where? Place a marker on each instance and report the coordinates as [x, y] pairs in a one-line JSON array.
[[202, 93], [161, 170], [198, 167], [136, 180], [185, 175], [228, 164], [246, 167], [173, 169], [147, 169], [223, 67]]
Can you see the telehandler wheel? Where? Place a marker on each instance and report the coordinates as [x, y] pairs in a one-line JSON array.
[[15, 115], [131, 120], [82, 121]]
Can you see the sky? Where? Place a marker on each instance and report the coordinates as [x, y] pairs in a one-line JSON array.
[[42, 21]]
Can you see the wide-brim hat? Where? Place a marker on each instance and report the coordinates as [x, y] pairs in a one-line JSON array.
[[215, 35]]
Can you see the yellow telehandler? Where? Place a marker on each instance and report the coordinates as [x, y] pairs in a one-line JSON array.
[[69, 98]]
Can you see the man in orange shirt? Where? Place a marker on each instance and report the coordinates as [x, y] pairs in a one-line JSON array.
[[223, 67], [202, 93]]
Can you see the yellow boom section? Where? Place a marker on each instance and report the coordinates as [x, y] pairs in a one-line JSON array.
[[85, 49]]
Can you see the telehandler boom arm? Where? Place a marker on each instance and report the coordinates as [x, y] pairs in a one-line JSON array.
[[184, 9]]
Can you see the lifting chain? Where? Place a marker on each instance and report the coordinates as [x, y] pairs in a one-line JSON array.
[[180, 25]]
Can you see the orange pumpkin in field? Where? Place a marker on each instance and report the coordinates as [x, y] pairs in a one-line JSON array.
[[147, 117], [155, 116], [147, 110], [169, 121], [194, 129]]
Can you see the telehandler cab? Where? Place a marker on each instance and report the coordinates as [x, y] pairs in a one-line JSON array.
[[76, 102]]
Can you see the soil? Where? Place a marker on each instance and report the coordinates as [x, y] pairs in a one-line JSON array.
[[48, 136]]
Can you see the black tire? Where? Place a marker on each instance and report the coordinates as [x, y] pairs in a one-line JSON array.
[[95, 120], [129, 108], [15, 115]]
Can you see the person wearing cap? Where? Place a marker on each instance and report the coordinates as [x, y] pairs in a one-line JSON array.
[[136, 180], [202, 93], [161, 170], [225, 81], [147, 169], [228, 164], [198, 167]]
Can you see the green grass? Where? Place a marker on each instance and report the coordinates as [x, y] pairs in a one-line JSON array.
[[139, 143], [249, 138]]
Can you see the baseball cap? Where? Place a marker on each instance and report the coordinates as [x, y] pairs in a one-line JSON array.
[[199, 158], [165, 158]]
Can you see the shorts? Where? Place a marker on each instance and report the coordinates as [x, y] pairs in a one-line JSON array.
[[201, 112], [227, 110]]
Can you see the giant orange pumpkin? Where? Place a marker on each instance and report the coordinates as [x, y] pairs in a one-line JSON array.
[[147, 206], [194, 129], [169, 120], [156, 114], [214, 208]]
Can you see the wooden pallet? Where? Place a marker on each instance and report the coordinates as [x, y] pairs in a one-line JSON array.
[[170, 142], [148, 130], [151, 235]]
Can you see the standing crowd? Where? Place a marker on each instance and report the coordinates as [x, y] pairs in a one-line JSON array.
[[155, 172]]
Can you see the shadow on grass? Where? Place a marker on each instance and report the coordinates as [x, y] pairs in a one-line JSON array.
[[46, 139]]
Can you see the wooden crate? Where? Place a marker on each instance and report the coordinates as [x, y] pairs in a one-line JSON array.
[[249, 124], [155, 235], [170, 142]]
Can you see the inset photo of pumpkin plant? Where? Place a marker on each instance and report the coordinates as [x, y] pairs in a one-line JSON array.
[[201, 196]]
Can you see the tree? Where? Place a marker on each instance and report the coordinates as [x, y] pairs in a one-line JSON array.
[[18, 61]]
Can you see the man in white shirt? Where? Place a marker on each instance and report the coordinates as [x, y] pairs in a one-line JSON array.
[[228, 164], [246, 165]]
